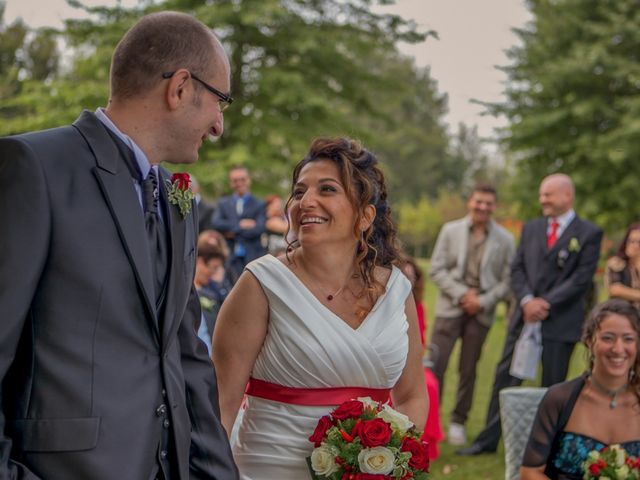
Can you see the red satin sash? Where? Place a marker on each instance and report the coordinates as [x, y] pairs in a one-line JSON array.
[[313, 396]]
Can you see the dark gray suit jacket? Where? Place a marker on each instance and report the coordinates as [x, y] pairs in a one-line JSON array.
[[561, 275], [84, 359]]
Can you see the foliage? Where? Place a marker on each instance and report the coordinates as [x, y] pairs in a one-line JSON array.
[[574, 103], [419, 222], [300, 69]]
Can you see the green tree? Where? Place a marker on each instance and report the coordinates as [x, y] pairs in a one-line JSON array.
[[300, 69], [574, 104]]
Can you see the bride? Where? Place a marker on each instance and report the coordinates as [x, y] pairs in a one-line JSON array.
[[328, 321]]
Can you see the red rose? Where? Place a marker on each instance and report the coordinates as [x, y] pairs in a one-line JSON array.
[[419, 453], [324, 424], [594, 469], [181, 180], [373, 433], [349, 409], [372, 476]]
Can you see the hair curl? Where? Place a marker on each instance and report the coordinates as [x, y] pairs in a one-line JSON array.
[[592, 324], [364, 185]]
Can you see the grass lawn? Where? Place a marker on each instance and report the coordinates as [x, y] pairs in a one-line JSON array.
[[488, 466]]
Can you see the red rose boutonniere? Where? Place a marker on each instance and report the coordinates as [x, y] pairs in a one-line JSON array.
[[180, 193]]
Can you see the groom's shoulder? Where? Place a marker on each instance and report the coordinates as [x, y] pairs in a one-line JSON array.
[[43, 140]]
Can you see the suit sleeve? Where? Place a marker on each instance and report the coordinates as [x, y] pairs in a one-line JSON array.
[[501, 289], [259, 228], [576, 284], [439, 273], [519, 282], [210, 456], [24, 210], [221, 221]]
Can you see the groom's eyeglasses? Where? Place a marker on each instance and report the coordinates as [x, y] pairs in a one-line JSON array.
[[225, 100]]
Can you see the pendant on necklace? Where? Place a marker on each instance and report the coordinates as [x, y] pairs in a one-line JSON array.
[[614, 403]]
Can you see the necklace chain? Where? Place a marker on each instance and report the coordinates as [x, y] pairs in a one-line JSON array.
[[611, 393]]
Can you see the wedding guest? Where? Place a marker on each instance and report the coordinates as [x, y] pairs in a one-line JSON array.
[[221, 280], [241, 217], [433, 432], [103, 375], [550, 276], [276, 226], [209, 263], [329, 321], [599, 408], [622, 276]]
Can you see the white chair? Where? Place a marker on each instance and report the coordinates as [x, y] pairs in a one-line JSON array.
[[518, 407]]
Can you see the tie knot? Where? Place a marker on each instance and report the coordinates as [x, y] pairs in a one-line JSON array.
[[554, 225], [150, 192]]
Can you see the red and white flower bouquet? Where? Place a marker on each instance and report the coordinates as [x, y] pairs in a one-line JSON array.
[[611, 463], [367, 440]]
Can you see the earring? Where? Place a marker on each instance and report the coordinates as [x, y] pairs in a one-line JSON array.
[[361, 243]]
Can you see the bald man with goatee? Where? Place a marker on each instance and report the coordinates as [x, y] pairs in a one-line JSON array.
[[550, 275]]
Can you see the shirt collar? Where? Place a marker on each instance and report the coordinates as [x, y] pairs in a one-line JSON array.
[[141, 158], [564, 219], [488, 226]]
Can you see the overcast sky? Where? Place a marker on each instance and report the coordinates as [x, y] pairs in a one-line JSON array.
[[473, 36]]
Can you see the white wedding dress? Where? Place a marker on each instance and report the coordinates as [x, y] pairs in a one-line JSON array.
[[308, 346]]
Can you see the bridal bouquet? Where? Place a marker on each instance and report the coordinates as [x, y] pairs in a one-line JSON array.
[[611, 463], [366, 440]]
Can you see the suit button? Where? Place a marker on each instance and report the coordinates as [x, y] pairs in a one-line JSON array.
[[163, 454], [161, 411], [166, 423]]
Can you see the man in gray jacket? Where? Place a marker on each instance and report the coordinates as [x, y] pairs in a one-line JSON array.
[[470, 264]]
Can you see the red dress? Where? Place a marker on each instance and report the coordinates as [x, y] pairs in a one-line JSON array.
[[433, 432]]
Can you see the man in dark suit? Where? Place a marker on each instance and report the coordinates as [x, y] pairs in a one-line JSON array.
[[103, 374], [551, 273], [241, 218]]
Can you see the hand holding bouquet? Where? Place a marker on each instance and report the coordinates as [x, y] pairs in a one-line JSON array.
[[366, 440], [611, 463]]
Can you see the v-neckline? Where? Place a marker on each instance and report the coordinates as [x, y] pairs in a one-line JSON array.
[[394, 273]]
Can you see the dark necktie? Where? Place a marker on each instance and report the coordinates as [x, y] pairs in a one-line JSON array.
[[156, 233], [553, 234]]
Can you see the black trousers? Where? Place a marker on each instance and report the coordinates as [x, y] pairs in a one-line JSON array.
[[555, 364]]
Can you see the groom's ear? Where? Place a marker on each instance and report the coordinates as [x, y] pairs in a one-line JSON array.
[[178, 86]]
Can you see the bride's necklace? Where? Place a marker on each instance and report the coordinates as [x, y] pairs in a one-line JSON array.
[[611, 393]]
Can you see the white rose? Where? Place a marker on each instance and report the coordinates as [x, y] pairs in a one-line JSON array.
[[323, 461], [368, 402], [396, 419], [622, 472], [376, 460], [620, 455], [594, 455]]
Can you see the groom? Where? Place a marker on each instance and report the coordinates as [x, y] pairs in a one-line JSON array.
[[103, 374]]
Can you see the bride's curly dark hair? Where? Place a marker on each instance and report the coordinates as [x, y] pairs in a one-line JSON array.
[[364, 184]]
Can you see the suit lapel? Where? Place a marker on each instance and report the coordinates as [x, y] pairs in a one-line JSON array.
[[175, 282], [462, 249], [117, 187], [568, 232]]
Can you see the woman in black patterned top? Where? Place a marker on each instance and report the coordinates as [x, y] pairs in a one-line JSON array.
[[599, 408]]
